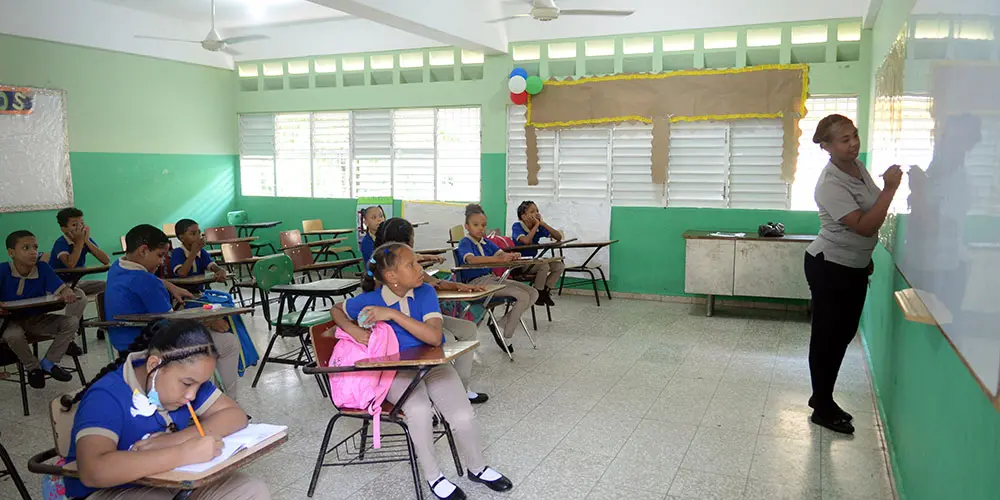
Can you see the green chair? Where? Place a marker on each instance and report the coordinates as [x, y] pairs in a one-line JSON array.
[[278, 270], [237, 217]]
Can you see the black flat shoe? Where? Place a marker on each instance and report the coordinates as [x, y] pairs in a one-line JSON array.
[[458, 494], [59, 373], [548, 298], [835, 410], [479, 399], [501, 484], [36, 378], [542, 299], [499, 338], [74, 350], [833, 422]]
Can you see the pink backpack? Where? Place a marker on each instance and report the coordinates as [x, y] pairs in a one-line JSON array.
[[506, 243], [363, 390]]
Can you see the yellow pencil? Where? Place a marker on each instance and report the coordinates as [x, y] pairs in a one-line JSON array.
[[197, 423]]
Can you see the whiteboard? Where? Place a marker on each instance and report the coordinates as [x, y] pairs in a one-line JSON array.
[[34, 156], [440, 218]]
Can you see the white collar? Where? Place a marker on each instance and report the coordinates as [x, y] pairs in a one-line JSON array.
[[391, 298], [131, 266]]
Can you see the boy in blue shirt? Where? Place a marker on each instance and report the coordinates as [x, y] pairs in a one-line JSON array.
[[70, 250], [191, 258], [134, 289], [24, 277]]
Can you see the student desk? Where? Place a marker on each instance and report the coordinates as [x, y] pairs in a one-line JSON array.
[[299, 321], [586, 267], [249, 228], [421, 223], [433, 251], [508, 266], [192, 281], [470, 296], [327, 232], [16, 309], [186, 482], [355, 448], [72, 276], [195, 314], [544, 247]]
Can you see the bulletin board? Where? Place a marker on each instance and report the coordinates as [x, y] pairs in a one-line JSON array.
[[440, 218], [34, 150]]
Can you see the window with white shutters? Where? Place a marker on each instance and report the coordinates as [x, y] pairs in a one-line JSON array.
[[458, 154], [517, 162], [582, 163], [983, 169], [293, 149], [812, 159], [413, 154], [331, 150], [413, 163], [257, 155], [699, 165], [372, 134], [755, 148], [631, 167]]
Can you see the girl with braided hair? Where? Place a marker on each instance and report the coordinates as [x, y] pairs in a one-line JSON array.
[[133, 420]]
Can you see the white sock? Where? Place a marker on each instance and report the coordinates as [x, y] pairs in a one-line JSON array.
[[444, 487], [472, 395], [488, 474]]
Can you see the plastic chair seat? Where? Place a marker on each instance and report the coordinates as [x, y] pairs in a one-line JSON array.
[[311, 318]]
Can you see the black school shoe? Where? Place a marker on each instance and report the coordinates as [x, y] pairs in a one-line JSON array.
[[543, 298], [833, 422], [502, 484], [479, 399], [36, 378], [836, 410], [497, 337], [74, 350], [548, 297], [458, 494], [59, 373]]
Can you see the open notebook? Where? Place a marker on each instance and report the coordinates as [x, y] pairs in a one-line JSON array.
[[236, 442]]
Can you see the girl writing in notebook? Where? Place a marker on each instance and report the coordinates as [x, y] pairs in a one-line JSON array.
[[134, 419], [397, 230], [411, 308]]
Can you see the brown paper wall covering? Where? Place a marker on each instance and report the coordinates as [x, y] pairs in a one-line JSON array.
[[772, 91]]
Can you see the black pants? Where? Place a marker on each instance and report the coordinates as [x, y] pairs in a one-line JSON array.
[[838, 298]]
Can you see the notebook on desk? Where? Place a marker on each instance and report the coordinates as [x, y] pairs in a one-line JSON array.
[[236, 442]]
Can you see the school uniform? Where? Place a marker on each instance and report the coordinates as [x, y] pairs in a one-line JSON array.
[[42, 280], [106, 410], [64, 246], [836, 267], [367, 246], [546, 274], [199, 267], [441, 387], [523, 295], [132, 290]]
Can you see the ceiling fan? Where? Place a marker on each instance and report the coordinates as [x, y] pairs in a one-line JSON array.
[[546, 10], [213, 41]]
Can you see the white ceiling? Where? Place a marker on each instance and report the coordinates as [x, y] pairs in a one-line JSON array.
[[298, 28]]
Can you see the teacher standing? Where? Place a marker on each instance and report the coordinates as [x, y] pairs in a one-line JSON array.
[[837, 264]]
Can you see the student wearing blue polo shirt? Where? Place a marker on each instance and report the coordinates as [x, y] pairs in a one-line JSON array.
[[476, 249], [70, 250], [529, 230], [369, 219], [134, 289], [24, 277], [411, 308], [191, 259], [133, 419]]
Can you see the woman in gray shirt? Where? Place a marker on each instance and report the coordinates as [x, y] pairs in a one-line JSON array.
[[837, 265]]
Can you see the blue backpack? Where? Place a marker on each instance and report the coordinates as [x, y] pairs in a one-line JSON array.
[[248, 351]]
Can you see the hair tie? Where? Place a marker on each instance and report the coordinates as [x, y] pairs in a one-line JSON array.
[[370, 274], [385, 251], [371, 260]]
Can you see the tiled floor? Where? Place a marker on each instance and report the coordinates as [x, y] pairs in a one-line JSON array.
[[638, 400]]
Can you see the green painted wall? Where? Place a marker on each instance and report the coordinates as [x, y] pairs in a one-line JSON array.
[[941, 429], [150, 140]]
